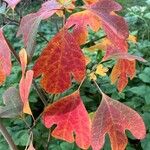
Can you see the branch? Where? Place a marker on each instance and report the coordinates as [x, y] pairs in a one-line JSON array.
[[7, 137]]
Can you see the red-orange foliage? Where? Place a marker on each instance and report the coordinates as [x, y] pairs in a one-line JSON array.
[[63, 60]]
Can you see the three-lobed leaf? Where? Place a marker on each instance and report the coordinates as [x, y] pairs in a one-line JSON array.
[[113, 118], [80, 22], [61, 59]]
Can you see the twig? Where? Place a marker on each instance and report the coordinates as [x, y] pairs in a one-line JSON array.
[[40, 93], [6, 135], [48, 139], [98, 87]]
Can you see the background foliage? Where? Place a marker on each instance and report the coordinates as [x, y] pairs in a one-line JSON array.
[[136, 94]]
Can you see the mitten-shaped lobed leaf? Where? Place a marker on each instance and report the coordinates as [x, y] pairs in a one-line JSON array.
[[81, 21], [113, 118], [5, 58], [121, 71], [70, 116], [115, 26], [30, 23], [61, 58]]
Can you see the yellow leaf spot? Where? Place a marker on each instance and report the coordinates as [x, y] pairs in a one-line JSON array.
[[132, 38], [93, 76], [101, 70]]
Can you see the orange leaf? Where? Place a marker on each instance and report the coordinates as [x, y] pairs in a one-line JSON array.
[[102, 45], [71, 117], [23, 60], [115, 26], [5, 58], [61, 58], [81, 21], [90, 1], [121, 71], [114, 118], [25, 82]]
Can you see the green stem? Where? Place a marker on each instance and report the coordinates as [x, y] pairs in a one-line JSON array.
[[7, 137]]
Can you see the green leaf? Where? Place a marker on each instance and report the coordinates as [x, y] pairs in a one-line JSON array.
[[146, 117], [143, 91], [67, 146], [21, 137], [145, 75], [145, 143], [147, 15]]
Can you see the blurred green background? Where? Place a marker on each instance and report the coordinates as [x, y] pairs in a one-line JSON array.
[[136, 95]]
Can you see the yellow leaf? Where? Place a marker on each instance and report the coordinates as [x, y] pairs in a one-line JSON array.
[[100, 46], [93, 76], [26, 108], [101, 70], [132, 38]]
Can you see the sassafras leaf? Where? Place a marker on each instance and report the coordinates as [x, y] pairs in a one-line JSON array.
[[113, 118], [121, 71], [30, 23], [115, 26], [71, 117], [61, 58], [81, 21]]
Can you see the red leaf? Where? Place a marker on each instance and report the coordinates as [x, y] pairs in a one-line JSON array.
[[61, 58], [81, 21], [114, 118], [30, 23], [115, 26], [12, 3], [113, 53], [71, 117], [5, 58], [121, 71], [25, 82]]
